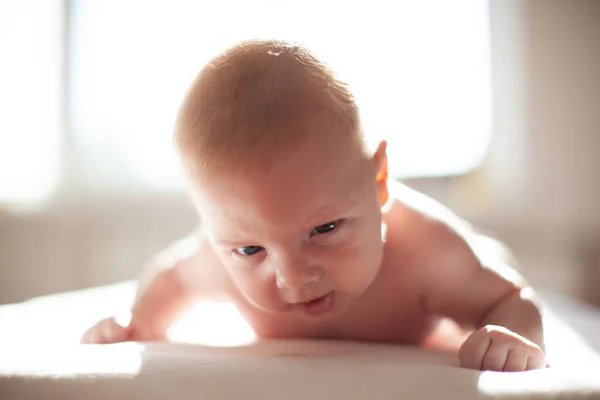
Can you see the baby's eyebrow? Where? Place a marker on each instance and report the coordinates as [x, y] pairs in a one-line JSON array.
[[329, 213], [235, 243]]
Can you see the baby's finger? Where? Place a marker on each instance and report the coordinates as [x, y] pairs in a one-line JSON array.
[[106, 331], [496, 356], [473, 350], [516, 360], [102, 332], [114, 332], [89, 336], [536, 360]]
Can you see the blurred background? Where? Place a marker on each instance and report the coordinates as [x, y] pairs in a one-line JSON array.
[[491, 107]]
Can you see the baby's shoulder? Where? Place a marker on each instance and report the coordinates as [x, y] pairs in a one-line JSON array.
[[416, 214], [201, 268], [421, 205], [420, 229]]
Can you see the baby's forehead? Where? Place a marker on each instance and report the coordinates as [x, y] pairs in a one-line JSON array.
[[323, 161], [294, 202]]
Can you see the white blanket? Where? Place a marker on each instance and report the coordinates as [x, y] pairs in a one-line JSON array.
[[40, 358]]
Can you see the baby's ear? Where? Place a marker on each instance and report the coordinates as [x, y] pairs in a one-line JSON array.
[[381, 167]]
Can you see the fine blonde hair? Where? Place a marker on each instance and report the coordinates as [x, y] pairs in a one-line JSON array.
[[257, 100]]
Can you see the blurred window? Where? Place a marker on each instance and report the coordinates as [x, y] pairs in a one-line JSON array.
[[31, 99], [420, 70]]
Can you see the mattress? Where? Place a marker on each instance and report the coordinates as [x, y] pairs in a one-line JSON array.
[[40, 358]]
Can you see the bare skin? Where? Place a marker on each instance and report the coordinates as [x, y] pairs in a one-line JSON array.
[[299, 250]]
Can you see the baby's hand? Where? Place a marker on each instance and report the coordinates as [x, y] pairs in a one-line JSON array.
[[108, 330], [496, 348]]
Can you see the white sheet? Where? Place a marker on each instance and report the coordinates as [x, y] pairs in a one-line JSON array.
[[39, 358]]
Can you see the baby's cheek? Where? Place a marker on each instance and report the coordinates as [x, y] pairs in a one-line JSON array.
[[260, 288], [355, 267], [360, 249], [253, 279]]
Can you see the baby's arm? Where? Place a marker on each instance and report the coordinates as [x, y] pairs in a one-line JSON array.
[[483, 293], [164, 292]]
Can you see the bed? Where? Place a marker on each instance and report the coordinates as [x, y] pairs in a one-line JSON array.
[[40, 358]]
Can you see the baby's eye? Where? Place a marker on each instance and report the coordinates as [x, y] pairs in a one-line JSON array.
[[325, 228], [248, 250]]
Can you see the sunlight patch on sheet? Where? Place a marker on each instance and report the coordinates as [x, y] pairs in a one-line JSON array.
[[531, 383], [123, 360], [564, 346], [212, 323]]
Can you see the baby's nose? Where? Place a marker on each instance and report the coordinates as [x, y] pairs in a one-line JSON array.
[[296, 277]]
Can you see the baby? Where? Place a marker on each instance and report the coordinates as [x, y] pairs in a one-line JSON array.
[[302, 231]]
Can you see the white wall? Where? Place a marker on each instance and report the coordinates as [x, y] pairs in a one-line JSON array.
[[548, 93]]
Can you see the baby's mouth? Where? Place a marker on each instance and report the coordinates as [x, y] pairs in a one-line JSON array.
[[319, 305]]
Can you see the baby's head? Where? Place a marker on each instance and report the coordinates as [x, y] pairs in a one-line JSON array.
[[288, 193]]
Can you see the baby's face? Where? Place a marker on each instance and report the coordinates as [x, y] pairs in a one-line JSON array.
[[304, 237]]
